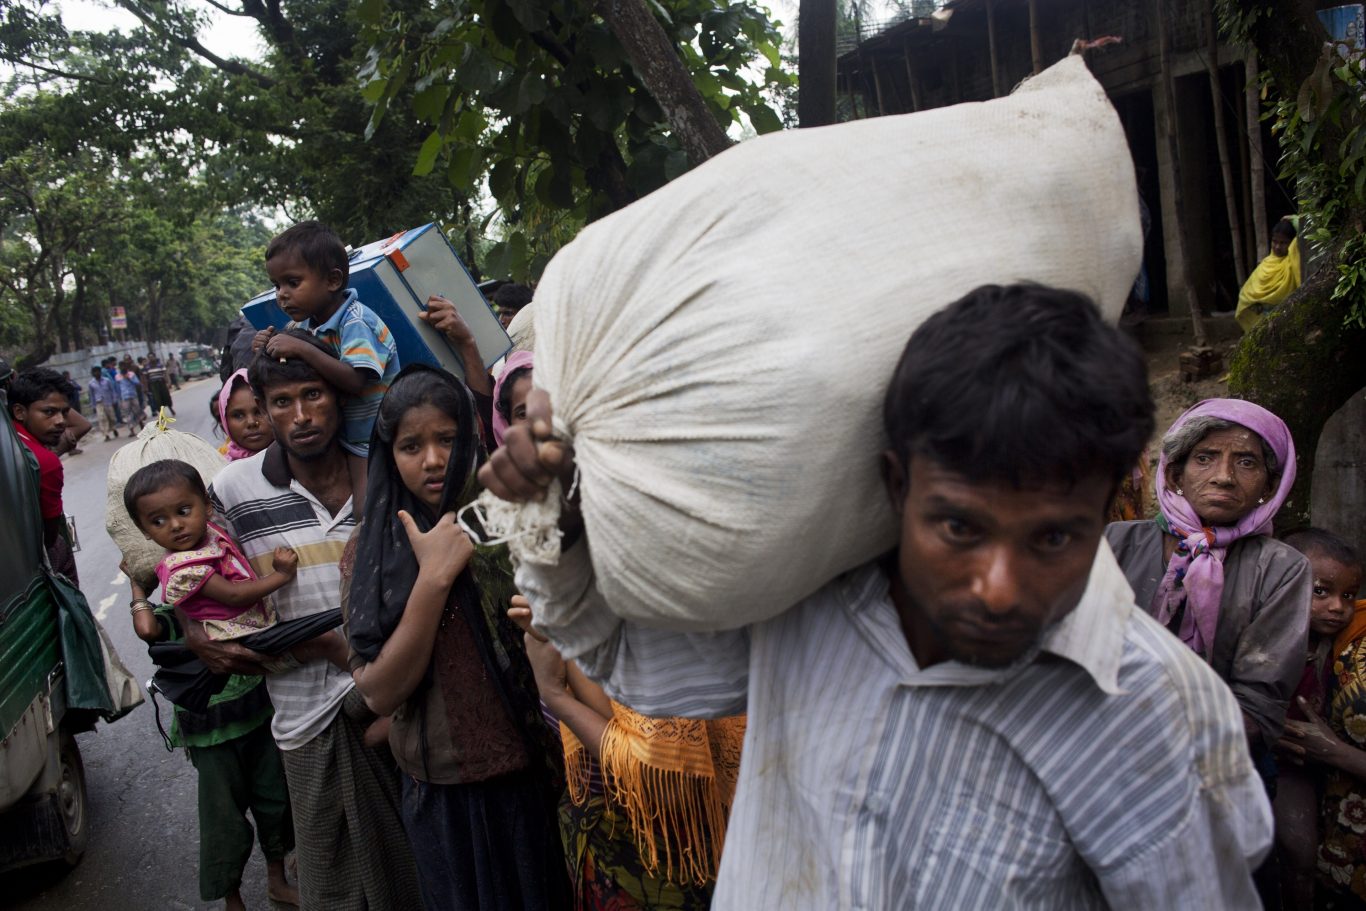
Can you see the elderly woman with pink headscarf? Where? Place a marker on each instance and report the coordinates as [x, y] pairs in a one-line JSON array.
[[1208, 567]]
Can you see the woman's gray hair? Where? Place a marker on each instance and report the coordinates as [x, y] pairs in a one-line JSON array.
[[1180, 442]]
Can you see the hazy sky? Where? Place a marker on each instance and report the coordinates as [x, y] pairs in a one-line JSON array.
[[228, 36]]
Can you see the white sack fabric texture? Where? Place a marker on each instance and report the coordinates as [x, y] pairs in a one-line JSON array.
[[718, 352], [152, 444]]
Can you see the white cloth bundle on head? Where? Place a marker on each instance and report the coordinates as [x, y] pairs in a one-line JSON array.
[[718, 352], [153, 444], [522, 329]]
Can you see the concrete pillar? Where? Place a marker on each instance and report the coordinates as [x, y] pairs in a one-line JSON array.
[[1177, 302], [1338, 500]]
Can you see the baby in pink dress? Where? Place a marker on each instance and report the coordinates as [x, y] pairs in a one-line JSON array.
[[204, 572], [185, 574]]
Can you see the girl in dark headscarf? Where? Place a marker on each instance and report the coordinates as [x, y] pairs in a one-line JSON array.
[[432, 646]]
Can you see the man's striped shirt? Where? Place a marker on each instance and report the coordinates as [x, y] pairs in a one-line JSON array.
[[262, 507], [1110, 770]]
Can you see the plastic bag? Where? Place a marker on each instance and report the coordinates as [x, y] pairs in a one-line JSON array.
[[155, 442]]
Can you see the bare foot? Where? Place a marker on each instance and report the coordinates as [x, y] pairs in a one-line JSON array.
[[278, 888], [233, 901]]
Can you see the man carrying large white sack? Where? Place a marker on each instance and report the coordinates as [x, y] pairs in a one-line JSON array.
[[982, 717]]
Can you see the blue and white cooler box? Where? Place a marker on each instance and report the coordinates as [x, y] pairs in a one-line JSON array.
[[394, 278]]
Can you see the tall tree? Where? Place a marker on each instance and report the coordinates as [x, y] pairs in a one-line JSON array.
[[540, 102]]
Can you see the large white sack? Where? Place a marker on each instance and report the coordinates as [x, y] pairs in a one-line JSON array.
[[522, 329], [152, 444], [718, 351]]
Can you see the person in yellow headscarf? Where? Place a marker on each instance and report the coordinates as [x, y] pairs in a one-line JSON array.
[[1274, 278]]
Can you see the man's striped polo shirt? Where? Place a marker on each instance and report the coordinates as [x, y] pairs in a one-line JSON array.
[[264, 507]]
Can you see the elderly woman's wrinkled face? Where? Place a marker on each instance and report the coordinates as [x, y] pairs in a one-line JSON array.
[[1224, 476]]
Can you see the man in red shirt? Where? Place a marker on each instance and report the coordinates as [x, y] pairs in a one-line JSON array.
[[39, 405]]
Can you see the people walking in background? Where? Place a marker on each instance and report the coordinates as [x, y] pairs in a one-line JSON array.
[[111, 371], [158, 388], [103, 397], [129, 387], [173, 371]]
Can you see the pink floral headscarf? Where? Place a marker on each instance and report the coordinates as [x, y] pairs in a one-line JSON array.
[[516, 360], [235, 451], [1195, 573]]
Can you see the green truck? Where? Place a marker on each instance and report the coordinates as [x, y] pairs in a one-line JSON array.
[[43, 809], [198, 360]]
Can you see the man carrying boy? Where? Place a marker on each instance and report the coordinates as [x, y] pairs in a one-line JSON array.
[[981, 718], [353, 853], [308, 266]]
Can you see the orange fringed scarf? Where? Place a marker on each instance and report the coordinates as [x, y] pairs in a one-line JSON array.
[[1356, 628], [673, 779]]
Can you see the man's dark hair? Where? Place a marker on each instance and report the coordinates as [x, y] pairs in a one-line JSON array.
[[317, 245], [512, 297], [266, 371], [1284, 228], [36, 383], [96, 372], [1020, 384], [158, 475], [1312, 540]]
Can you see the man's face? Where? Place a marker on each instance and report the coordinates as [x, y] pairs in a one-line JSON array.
[[305, 417], [987, 568], [45, 418], [301, 291], [1280, 244]]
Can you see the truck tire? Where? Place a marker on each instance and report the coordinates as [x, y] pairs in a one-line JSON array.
[[72, 802]]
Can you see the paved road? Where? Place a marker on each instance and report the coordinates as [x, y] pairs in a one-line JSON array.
[[144, 844]]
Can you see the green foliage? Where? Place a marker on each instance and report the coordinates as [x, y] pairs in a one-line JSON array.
[[1322, 134], [82, 230], [536, 104]]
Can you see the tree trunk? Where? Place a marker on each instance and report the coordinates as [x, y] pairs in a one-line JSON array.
[[656, 62], [1035, 47], [1174, 154], [1216, 93], [992, 50], [816, 63], [152, 325], [1256, 163]]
